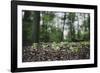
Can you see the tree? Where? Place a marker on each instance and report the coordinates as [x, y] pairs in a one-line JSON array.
[[64, 23], [70, 23], [86, 26], [78, 35], [36, 26], [46, 26], [88, 23], [27, 28]]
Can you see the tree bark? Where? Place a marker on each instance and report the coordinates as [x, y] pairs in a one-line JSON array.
[[64, 22], [36, 26]]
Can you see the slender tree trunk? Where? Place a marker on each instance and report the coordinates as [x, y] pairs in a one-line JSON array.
[[64, 22], [71, 24], [88, 23], [78, 34]]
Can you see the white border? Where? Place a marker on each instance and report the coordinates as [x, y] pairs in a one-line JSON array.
[[53, 63]]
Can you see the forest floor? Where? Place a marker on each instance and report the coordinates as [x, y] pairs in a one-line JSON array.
[[56, 51]]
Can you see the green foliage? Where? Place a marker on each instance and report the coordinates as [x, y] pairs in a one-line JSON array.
[[48, 16], [42, 26], [72, 46]]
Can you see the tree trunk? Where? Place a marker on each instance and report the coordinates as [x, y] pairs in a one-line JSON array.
[[64, 22], [25, 26], [78, 34], [36, 26]]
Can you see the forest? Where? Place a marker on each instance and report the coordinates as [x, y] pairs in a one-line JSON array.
[[51, 35]]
